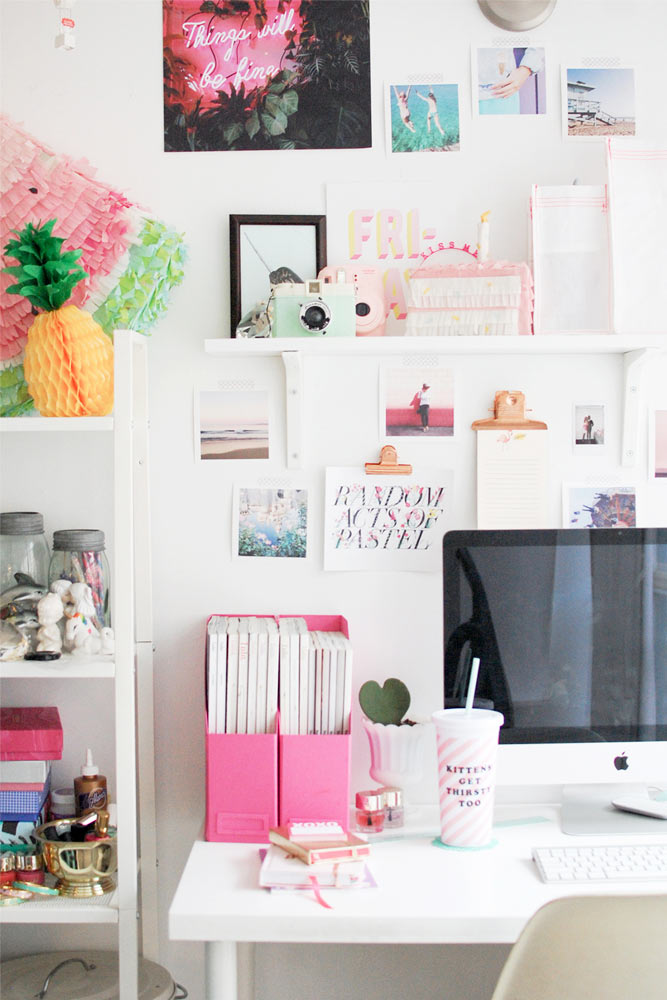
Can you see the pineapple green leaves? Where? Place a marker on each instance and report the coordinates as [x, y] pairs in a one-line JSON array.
[[44, 275]]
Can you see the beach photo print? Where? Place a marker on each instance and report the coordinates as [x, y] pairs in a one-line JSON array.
[[231, 424], [595, 506], [509, 81], [598, 101], [423, 117], [270, 522]]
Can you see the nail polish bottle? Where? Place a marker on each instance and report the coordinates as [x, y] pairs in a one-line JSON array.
[[7, 868], [394, 813], [30, 868], [369, 811]]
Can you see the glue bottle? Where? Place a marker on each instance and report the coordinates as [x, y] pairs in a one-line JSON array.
[[90, 788]]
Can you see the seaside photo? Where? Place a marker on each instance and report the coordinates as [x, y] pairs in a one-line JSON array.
[[271, 522], [509, 81], [599, 101], [588, 425], [423, 117], [232, 424], [417, 402], [589, 506]]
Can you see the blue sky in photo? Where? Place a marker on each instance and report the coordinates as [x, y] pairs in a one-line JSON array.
[[614, 89]]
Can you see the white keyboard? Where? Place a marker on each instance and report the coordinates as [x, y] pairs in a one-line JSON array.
[[602, 863]]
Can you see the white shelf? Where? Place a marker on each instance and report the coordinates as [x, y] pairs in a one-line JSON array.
[[63, 910], [386, 346], [68, 666], [52, 424]]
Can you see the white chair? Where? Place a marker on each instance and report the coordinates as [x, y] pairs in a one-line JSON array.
[[590, 948]]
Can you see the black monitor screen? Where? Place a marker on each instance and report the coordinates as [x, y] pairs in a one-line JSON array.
[[570, 627]]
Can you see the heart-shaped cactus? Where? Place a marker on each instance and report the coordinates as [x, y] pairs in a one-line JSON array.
[[387, 704]]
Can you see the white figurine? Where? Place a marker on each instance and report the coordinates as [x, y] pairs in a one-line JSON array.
[[50, 610], [108, 640], [82, 599], [81, 636]]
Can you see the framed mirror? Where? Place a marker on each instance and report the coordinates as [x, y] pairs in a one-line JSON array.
[[260, 245]]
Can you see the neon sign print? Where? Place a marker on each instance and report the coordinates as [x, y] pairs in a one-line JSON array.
[[219, 51]]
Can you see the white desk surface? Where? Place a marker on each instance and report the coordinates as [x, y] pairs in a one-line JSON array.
[[425, 893]]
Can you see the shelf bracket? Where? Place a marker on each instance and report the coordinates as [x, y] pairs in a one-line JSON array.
[[293, 408], [633, 367]]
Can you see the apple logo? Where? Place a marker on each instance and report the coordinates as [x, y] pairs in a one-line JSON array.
[[621, 762]]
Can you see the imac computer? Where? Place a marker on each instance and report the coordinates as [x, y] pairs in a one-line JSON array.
[[570, 627]]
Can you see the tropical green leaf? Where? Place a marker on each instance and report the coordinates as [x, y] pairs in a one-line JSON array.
[[232, 132], [289, 102]]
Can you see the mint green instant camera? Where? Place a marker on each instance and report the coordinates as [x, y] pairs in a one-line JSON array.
[[313, 309]]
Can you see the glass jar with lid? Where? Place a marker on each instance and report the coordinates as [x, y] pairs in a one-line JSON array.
[[24, 550], [79, 556]]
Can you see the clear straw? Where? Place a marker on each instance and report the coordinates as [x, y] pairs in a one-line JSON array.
[[472, 685]]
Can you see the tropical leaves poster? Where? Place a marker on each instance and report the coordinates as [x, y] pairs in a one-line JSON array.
[[266, 74]]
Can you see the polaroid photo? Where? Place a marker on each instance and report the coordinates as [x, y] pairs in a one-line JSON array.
[[231, 424], [508, 81], [591, 505], [416, 402], [598, 101], [423, 116], [270, 521], [588, 428], [657, 446]]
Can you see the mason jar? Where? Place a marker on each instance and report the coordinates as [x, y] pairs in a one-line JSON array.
[[23, 549], [79, 556]]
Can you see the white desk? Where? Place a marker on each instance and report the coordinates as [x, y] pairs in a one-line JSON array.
[[426, 894]]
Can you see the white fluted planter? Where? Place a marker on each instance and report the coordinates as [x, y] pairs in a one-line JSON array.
[[397, 752]]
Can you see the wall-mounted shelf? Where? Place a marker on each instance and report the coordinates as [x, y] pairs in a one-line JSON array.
[[385, 346], [635, 351]]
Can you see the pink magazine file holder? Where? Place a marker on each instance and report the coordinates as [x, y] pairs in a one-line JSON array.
[[314, 770], [241, 786]]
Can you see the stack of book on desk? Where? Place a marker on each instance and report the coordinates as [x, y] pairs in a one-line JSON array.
[[305, 860]]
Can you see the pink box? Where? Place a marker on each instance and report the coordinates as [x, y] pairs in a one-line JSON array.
[[241, 786], [315, 778], [314, 771], [30, 734]]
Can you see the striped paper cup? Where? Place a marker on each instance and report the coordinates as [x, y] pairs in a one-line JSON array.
[[467, 744]]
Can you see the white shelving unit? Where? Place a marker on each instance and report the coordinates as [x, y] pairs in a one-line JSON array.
[[132, 907], [294, 350]]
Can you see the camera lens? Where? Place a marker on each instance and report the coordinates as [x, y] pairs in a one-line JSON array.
[[363, 309], [315, 316]]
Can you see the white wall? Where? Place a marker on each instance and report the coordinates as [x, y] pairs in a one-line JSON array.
[[102, 101]]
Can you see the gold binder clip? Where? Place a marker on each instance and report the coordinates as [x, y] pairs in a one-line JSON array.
[[388, 464], [508, 413]]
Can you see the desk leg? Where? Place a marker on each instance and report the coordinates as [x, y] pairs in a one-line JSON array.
[[229, 970]]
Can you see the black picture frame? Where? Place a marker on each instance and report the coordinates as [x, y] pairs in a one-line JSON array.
[[313, 252]]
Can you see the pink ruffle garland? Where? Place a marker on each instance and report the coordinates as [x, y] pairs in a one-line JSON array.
[[36, 185]]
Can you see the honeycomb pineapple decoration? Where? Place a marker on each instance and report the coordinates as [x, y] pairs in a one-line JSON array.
[[68, 359]]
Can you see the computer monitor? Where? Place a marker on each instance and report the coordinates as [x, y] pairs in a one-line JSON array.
[[570, 627]]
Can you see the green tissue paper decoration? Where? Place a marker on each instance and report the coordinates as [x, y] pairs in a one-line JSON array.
[[156, 265], [387, 704]]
